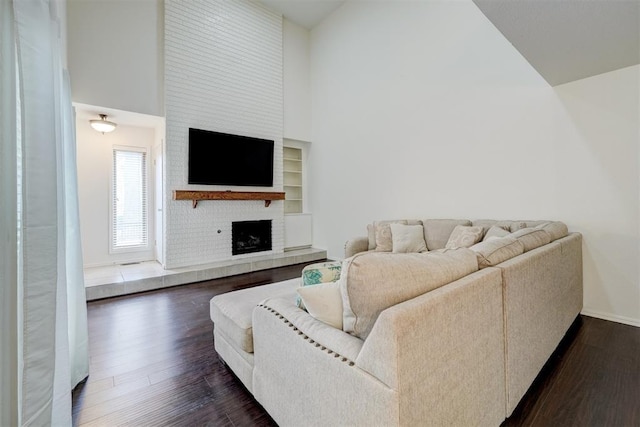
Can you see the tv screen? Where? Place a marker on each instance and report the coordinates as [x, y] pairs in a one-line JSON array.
[[222, 159]]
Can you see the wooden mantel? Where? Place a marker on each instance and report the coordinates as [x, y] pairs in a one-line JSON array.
[[196, 196]]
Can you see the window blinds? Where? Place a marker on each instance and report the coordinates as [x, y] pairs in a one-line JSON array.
[[130, 222]]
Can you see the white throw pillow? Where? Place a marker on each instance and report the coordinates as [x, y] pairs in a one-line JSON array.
[[323, 302], [408, 238]]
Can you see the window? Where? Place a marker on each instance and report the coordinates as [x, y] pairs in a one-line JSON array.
[[129, 228]]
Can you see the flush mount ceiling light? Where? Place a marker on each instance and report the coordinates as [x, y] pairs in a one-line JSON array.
[[102, 124]]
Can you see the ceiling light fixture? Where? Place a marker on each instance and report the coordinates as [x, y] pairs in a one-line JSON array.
[[102, 124]]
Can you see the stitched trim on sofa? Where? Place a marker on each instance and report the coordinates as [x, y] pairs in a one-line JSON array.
[[306, 338]]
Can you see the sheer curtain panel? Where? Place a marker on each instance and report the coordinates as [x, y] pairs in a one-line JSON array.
[[42, 289], [8, 221]]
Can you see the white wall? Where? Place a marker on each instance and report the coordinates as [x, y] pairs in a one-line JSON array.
[[115, 53], [94, 159], [223, 72], [424, 110], [296, 79], [601, 189]]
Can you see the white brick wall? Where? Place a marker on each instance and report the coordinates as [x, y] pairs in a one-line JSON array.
[[223, 72]]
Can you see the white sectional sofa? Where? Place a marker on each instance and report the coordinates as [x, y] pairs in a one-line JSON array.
[[445, 337]]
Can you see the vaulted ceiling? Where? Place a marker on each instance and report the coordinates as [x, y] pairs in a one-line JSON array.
[[307, 13], [567, 40], [564, 40]]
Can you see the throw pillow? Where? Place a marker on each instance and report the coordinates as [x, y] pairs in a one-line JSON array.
[[464, 236], [315, 274], [383, 234], [518, 225], [495, 231], [438, 231], [407, 238], [324, 302], [486, 224]]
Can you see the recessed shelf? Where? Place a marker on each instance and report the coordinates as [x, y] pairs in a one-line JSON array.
[[292, 168], [196, 196]]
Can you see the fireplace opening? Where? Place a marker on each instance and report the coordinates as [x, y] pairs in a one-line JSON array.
[[250, 236]]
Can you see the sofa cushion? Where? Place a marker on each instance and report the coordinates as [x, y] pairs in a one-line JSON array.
[[408, 238], [383, 234], [323, 302], [231, 312], [532, 224], [517, 225], [556, 229], [437, 231], [495, 231], [507, 224], [531, 238], [486, 224], [464, 236], [496, 250], [374, 281]]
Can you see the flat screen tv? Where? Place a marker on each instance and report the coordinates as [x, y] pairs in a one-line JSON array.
[[222, 159]]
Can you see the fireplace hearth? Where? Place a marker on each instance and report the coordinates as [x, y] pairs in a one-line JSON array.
[[250, 236]]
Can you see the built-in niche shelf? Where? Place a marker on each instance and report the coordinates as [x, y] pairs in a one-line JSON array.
[[196, 196], [292, 165]]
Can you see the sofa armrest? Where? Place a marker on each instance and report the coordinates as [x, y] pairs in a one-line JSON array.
[[356, 245], [444, 349], [311, 329], [543, 294], [304, 372]]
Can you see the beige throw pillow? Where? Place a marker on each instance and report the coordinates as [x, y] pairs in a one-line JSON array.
[[495, 231], [323, 302], [384, 243], [438, 231], [464, 236], [486, 224], [407, 238], [518, 225]]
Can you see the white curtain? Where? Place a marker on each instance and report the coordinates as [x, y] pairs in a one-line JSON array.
[[44, 321]]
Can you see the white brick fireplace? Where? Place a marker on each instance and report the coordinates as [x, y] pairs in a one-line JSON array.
[[223, 72]]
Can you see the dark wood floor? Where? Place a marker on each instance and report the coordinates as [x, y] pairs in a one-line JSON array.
[[153, 364]]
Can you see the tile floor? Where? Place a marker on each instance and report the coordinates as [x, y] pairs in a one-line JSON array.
[[114, 280]]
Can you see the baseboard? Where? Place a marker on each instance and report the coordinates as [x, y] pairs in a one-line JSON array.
[[612, 317]]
